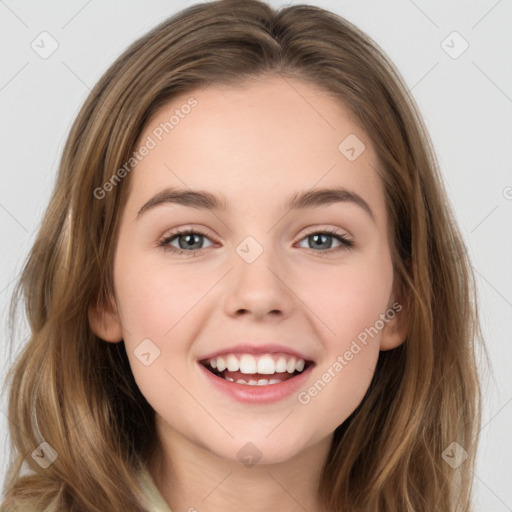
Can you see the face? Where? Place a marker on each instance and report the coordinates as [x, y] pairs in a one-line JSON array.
[[296, 299]]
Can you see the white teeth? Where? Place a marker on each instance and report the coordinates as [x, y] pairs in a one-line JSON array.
[[248, 364], [266, 364], [281, 365], [221, 364], [260, 382], [232, 363]]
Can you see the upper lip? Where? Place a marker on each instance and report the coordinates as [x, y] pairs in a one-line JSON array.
[[259, 349]]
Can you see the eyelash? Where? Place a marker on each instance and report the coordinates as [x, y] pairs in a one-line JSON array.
[[346, 243]]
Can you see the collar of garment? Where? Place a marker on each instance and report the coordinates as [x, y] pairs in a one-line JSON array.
[[152, 498]]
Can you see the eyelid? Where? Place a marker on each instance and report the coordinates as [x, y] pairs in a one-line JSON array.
[[186, 229], [326, 229], [345, 240], [174, 233], [338, 230]]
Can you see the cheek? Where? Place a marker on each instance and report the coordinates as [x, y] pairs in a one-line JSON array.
[[347, 299], [352, 310], [357, 297], [153, 296], [157, 306], [338, 388]]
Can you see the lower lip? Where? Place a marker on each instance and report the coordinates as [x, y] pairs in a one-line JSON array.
[[257, 394]]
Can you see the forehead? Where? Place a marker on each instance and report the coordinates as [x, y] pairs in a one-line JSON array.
[[269, 137]]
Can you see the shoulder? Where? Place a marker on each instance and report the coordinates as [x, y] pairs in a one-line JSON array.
[[151, 498]]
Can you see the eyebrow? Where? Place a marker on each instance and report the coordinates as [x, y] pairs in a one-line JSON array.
[[203, 200]]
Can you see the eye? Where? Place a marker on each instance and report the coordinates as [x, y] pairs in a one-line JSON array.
[[188, 241], [323, 240]]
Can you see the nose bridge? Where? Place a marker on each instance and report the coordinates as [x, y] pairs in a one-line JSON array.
[[258, 278]]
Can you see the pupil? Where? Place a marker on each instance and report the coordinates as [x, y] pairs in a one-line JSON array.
[[316, 237], [189, 240]]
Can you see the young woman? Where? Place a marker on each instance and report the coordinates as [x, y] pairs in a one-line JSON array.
[[248, 290]]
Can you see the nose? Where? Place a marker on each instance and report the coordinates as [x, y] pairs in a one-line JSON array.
[[260, 288]]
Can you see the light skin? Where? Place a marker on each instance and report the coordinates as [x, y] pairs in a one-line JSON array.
[[256, 145]]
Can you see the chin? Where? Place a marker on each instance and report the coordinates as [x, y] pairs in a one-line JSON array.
[[258, 450]]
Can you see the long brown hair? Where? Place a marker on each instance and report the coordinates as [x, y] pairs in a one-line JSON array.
[[76, 392]]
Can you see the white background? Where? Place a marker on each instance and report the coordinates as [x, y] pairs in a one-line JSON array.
[[466, 103]]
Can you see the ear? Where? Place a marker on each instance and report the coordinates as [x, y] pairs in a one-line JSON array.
[[104, 321], [398, 317]]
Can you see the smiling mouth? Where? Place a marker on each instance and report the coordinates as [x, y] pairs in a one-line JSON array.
[[252, 370]]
